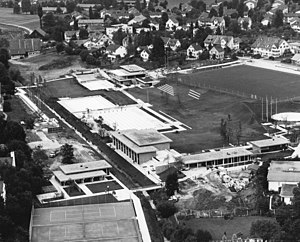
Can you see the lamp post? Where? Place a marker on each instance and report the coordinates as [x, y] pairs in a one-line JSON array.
[[106, 192]]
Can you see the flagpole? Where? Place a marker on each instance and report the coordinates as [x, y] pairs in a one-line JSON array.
[[262, 109], [267, 116]]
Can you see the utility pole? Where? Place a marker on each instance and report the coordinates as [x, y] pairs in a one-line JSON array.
[[267, 116]]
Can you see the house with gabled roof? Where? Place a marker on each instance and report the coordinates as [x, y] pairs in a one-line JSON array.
[[296, 59], [139, 19], [194, 51], [145, 53], [113, 51], [68, 35], [270, 46], [174, 44], [37, 33], [251, 4], [221, 40], [216, 53], [172, 23], [24, 47], [241, 22]]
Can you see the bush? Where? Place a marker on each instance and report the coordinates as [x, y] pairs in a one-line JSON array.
[[60, 47], [84, 54], [166, 209], [6, 106]]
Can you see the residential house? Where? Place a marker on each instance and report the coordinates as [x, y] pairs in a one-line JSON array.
[[53, 9], [137, 20], [174, 44], [296, 59], [295, 25], [194, 51], [100, 39], [155, 15], [172, 23], [154, 25], [286, 193], [140, 29], [90, 23], [68, 35], [222, 41], [114, 28], [229, 12], [290, 17], [295, 46], [267, 20], [38, 33], [115, 51], [145, 53], [216, 53], [213, 23], [24, 47], [281, 174], [133, 11], [270, 46], [85, 6], [245, 23]]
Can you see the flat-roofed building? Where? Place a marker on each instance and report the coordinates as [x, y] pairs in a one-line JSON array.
[[274, 144], [283, 172], [140, 145], [228, 157], [82, 172], [90, 23], [127, 74]]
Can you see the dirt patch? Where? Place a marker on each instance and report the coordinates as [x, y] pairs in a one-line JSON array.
[[50, 61]]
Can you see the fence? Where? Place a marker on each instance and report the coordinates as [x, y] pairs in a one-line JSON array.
[[217, 213]]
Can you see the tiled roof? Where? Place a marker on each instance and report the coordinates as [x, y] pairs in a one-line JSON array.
[[266, 42], [112, 47], [21, 46]]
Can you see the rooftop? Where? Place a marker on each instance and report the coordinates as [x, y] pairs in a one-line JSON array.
[[287, 190], [216, 155], [145, 137], [85, 167], [63, 177], [277, 140], [132, 68], [284, 171], [93, 222]]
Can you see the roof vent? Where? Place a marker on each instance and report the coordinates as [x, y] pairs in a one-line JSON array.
[[291, 169]]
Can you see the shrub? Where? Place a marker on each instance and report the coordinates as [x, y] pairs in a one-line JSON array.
[[166, 209]]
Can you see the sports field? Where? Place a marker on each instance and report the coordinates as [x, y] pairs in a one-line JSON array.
[[97, 222], [27, 20], [249, 80], [203, 116]]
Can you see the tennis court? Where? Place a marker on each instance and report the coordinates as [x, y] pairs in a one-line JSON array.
[[96, 222]]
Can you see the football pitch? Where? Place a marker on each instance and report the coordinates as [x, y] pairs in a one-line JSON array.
[[249, 80]]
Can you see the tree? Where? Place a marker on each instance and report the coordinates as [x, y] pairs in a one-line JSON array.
[[4, 43], [40, 14], [166, 209], [83, 33], [266, 229], [221, 10], [70, 6], [241, 8], [17, 8], [245, 25], [26, 5], [234, 27], [49, 21], [4, 57], [137, 5], [164, 17], [218, 31], [13, 131], [91, 13], [118, 36], [172, 184], [203, 236], [60, 47], [158, 48], [84, 54], [278, 18], [296, 201], [213, 13], [67, 154]]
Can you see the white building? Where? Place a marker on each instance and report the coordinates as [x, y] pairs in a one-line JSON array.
[[270, 46]]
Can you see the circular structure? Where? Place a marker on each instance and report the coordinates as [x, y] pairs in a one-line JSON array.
[[286, 117]]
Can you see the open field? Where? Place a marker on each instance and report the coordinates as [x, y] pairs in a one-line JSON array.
[[217, 226], [203, 116], [249, 80], [27, 20]]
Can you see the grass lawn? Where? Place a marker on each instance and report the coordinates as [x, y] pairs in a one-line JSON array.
[[203, 116], [217, 226], [27, 20], [71, 88], [102, 186], [19, 110], [250, 80], [73, 192]]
